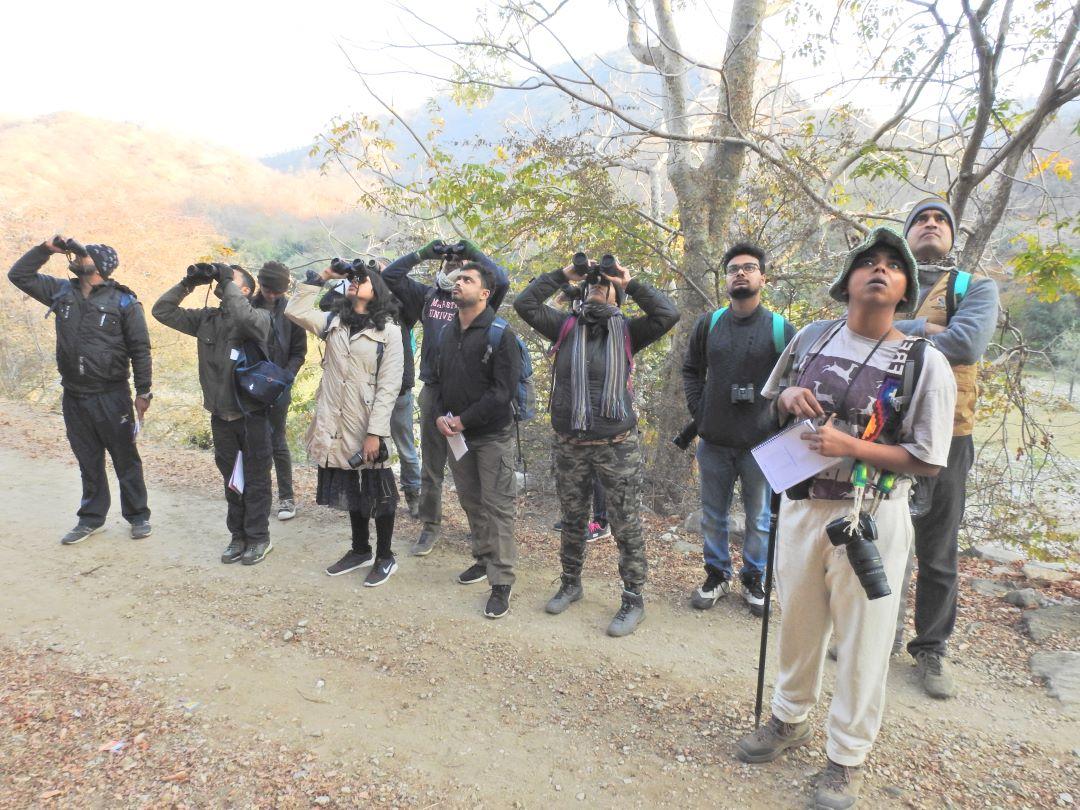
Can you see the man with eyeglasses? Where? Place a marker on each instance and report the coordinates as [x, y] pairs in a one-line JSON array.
[[728, 359]]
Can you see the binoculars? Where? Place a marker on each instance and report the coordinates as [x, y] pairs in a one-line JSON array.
[[204, 272], [445, 251], [356, 270], [592, 271], [69, 246]]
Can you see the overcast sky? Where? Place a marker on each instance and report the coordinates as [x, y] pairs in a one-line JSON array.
[[266, 78], [258, 78]]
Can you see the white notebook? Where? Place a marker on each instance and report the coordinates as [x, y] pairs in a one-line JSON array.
[[787, 460]]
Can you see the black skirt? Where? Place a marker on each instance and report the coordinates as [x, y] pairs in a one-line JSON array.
[[371, 492]]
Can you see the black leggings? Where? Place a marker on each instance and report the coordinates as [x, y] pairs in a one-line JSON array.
[[361, 539]]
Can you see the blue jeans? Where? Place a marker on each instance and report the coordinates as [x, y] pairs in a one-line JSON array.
[[718, 468], [401, 431]]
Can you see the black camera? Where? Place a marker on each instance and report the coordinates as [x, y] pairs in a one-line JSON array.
[[742, 393], [357, 458], [861, 552], [685, 436], [445, 251]]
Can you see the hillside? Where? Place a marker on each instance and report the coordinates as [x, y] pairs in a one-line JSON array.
[[162, 202]]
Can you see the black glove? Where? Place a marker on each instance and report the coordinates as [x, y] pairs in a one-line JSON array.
[[222, 272], [201, 273]]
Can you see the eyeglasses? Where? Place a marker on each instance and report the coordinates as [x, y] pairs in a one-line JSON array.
[[748, 268]]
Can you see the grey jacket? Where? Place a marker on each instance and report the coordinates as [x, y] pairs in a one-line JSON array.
[[219, 331]]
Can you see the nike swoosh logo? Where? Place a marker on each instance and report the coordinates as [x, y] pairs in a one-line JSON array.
[[386, 569]]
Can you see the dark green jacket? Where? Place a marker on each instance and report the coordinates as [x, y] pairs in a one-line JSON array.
[[219, 331]]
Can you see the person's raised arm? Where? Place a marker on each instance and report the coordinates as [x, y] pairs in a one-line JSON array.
[[25, 274], [531, 304]]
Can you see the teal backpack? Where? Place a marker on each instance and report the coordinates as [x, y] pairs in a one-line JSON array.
[[777, 328]]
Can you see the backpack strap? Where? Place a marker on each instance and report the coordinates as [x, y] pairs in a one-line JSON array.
[[716, 316], [566, 328], [912, 371], [495, 333], [778, 341], [959, 282]]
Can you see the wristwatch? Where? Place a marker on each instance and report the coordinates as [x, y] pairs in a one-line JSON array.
[[148, 396]]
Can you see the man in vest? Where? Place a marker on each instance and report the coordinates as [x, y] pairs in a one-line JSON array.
[[728, 359], [957, 313]]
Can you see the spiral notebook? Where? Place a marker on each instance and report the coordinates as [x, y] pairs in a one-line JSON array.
[[786, 460]]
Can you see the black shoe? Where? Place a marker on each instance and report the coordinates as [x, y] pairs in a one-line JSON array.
[[498, 604], [477, 572], [141, 529], [715, 588], [753, 593], [234, 551], [350, 562], [80, 533], [380, 572], [256, 552]]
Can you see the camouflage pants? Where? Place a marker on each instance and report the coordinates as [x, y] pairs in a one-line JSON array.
[[618, 466]]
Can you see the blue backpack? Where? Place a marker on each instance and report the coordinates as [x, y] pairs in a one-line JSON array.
[[524, 400]]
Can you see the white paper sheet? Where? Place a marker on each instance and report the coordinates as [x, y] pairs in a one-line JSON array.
[[456, 443], [236, 480], [787, 460]]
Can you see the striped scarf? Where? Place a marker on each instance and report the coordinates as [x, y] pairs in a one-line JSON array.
[[616, 367]]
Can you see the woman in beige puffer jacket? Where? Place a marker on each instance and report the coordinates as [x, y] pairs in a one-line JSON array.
[[362, 368]]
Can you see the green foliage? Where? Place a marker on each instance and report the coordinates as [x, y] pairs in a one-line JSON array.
[[1050, 270]]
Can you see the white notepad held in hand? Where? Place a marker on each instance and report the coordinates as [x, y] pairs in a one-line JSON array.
[[787, 460]]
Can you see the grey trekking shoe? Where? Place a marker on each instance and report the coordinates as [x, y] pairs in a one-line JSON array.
[[234, 551], [631, 613], [771, 739], [286, 509], [934, 675], [424, 543], [141, 530], [838, 787], [255, 553], [569, 592], [80, 533]]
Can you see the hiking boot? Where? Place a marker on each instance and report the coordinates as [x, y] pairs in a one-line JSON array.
[[234, 551], [838, 787], [350, 562], [141, 529], [424, 543], [569, 592], [256, 552], [412, 501], [286, 509], [597, 531], [80, 533], [498, 603], [630, 614], [753, 593], [715, 588], [477, 572], [380, 572], [934, 674], [771, 739]]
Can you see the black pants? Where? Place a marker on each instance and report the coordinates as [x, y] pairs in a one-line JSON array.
[[249, 514], [384, 534], [96, 423], [280, 444], [599, 502], [936, 543]]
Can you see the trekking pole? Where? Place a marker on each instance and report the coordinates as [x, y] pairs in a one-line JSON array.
[[774, 510]]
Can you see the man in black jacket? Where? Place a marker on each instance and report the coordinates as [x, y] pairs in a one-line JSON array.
[[100, 335], [728, 359], [433, 307], [592, 413], [478, 378], [221, 333], [288, 348]]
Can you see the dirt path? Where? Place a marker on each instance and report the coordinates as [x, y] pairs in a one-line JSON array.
[[408, 684]]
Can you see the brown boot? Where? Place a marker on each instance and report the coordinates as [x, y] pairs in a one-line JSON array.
[[838, 787], [772, 739]]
